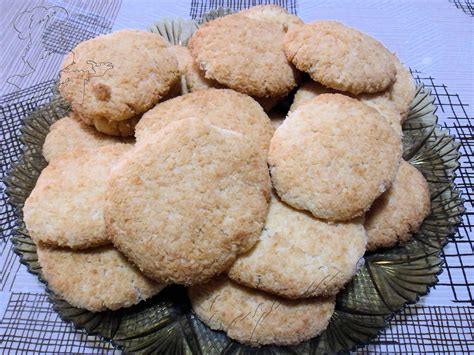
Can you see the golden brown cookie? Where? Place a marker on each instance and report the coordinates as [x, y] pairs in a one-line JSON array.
[[123, 128], [311, 89], [65, 208], [245, 55], [194, 79], [340, 57], [273, 13], [386, 108], [403, 90], [183, 204], [221, 107], [308, 91], [334, 156], [399, 211], [299, 256], [68, 135], [95, 279], [256, 318], [184, 61], [118, 76]]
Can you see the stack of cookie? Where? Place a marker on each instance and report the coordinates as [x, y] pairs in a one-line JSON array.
[[190, 202]]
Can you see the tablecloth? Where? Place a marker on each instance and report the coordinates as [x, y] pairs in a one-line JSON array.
[[434, 39]]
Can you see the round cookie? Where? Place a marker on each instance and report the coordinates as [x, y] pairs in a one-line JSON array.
[[245, 55], [65, 208], [386, 108], [334, 156], [118, 76], [123, 128], [256, 318], [308, 91], [397, 98], [68, 134], [184, 61], [357, 64], [403, 90], [221, 107], [272, 13], [95, 279], [183, 204], [299, 256], [399, 211], [194, 77]]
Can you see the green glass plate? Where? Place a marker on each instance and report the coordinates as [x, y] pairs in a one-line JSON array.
[[386, 282]]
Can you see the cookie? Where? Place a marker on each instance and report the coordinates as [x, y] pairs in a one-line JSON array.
[[357, 64], [256, 318], [185, 61], [123, 128], [65, 208], [334, 156], [403, 90], [183, 204], [397, 98], [400, 211], [245, 55], [385, 107], [96, 279], [308, 91], [299, 256], [68, 135], [194, 77], [195, 80], [273, 13], [221, 107], [118, 76]]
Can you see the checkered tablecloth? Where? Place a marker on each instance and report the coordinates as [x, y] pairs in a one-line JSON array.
[[433, 38]]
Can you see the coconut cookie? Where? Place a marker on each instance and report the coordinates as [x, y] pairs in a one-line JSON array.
[[272, 13], [183, 204], [399, 211], [386, 108], [403, 90], [300, 256], [194, 77], [123, 128], [95, 279], [184, 61], [245, 55], [334, 156], [65, 208], [308, 91], [221, 107], [256, 318], [118, 76], [357, 64], [68, 135]]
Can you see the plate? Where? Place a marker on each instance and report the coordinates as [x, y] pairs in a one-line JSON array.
[[387, 281]]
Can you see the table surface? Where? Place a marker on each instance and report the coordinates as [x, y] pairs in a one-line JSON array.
[[433, 38]]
